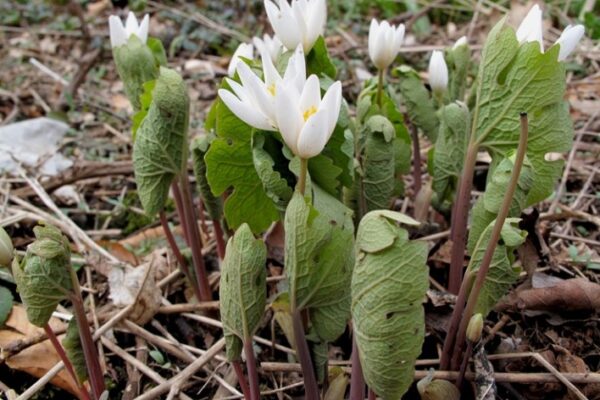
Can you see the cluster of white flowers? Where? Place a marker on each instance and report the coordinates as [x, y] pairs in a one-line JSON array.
[[292, 104]]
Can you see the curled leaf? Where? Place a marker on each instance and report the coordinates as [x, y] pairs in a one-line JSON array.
[[43, 276], [243, 289], [388, 286], [418, 101], [160, 149], [212, 204], [72, 344]]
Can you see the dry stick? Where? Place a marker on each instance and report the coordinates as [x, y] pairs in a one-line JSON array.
[[251, 367], [68, 365], [184, 375], [357, 380], [237, 367], [182, 263], [491, 247], [194, 237]]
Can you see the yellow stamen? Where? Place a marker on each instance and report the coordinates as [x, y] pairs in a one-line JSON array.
[[309, 112], [271, 89]]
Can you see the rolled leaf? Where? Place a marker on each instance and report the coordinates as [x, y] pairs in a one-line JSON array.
[[418, 102], [243, 289], [318, 261], [378, 163], [136, 64], [449, 150], [160, 149], [212, 204], [43, 276], [72, 344], [501, 275], [458, 62], [274, 185], [389, 283]]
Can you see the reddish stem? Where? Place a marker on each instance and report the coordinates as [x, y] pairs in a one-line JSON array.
[[252, 372], [357, 383], [237, 367], [65, 359], [372, 395], [416, 158], [311, 388], [219, 238]]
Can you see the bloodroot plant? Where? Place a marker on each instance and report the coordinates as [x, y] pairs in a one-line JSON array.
[[281, 149]]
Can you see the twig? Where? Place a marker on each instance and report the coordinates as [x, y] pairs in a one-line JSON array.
[[187, 373]]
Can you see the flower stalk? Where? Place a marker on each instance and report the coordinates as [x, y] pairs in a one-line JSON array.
[[302, 176], [252, 372], [303, 353]]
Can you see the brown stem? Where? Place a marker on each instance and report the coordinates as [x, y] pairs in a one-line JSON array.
[[303, 353], [180, 259], [219, 238], [252, 372], [416, 158], [237, 367], [68, 365], [357, 380], [92, 364], [494, 237], [372, 395], [459, 219], [180, 211], [194, 237], [463, 365]]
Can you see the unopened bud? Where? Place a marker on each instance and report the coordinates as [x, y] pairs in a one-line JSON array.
[[437, 389], [475, 328], [6, 248]]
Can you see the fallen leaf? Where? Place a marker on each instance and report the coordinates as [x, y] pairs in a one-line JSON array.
[[577, 294], [38, 359]]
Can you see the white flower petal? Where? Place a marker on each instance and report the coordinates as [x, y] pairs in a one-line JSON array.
[[249, 115], [131, 25], [118, 37], [332, 102], [142, 32], [462, 40], [314, 135], [311, 94], [257, 89], [287, 112], [296, 69], [240, 92], [373, 36], [530, 29], [568, 40], [245, 50]]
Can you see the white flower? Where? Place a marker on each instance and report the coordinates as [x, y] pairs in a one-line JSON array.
[[530, 29], [306, 121], [460, 42], [244, 50], [302, 22], [270, 45], [253, 101], [119, 33], [568, 40], [384, 43], [438, 72]]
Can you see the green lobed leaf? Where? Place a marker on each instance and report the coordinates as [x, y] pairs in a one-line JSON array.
[[318, 262], [517, 78], [318, 61], [378, 163], [230, 164], [6, 303], [145, 102], [501, 275], [43, 278], [213, 205], [418, 102], [72, 345], [243, 289], [388, 286], [158, 50], [449, 150], [160, 149], [274, 185], [136, 65]]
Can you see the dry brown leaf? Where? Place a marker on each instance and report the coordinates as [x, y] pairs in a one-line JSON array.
[[576, 294], [35, 360]]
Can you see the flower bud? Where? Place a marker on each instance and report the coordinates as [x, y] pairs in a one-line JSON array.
[[530, 29], [384, 43], [438, 72], [475, 328], [461, 41], [568, 40], [437, 389], [6, 248], [245, 50]]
